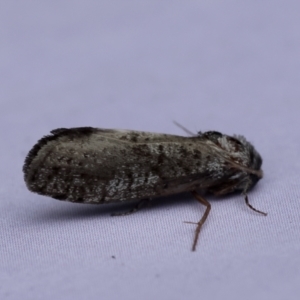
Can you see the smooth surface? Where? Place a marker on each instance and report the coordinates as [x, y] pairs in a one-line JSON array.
[[210, 65]]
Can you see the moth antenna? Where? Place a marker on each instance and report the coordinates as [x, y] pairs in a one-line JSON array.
[[249, 205], [184, 129]]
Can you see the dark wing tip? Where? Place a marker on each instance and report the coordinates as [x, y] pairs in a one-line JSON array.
[[55, 134], [34, 151]]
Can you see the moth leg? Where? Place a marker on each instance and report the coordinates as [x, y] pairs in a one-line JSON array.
[[137, 207], [202, 220], [249, 205]]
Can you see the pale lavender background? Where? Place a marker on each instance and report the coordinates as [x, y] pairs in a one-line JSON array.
[[232, 66]]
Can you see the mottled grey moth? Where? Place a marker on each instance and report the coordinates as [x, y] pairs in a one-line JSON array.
[[91, 165]]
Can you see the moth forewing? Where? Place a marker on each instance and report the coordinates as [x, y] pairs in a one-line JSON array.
[[91, 165]]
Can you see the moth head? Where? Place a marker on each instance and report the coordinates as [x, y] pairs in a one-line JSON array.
[[242, 164], [241, 156]]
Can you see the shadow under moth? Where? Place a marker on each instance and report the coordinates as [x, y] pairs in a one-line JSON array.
[[96, 166]]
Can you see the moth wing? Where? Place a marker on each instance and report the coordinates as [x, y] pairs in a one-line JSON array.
[[155, 165], [104, 165]]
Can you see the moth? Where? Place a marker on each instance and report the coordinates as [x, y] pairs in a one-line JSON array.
[[97, 166]]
